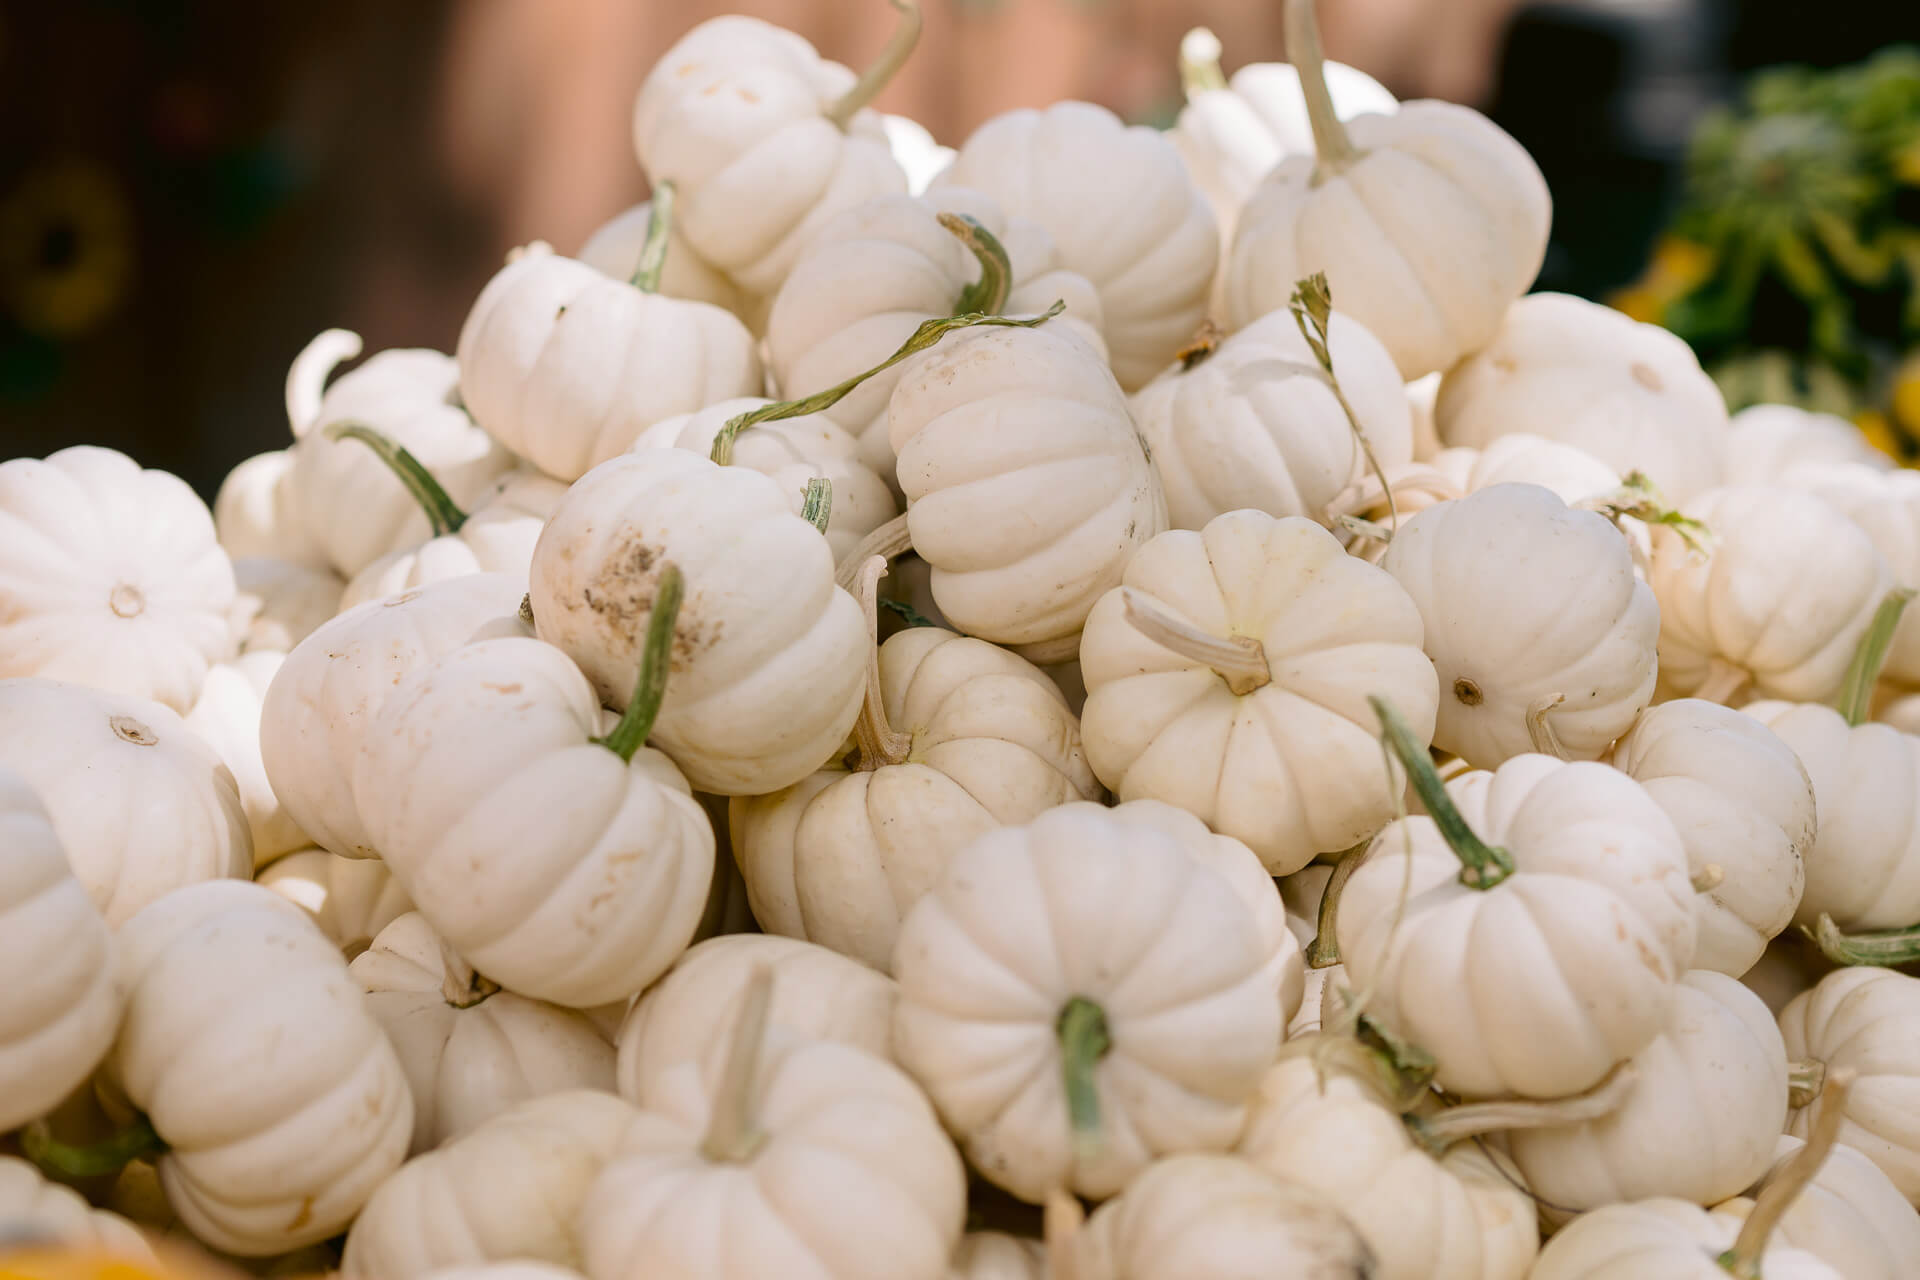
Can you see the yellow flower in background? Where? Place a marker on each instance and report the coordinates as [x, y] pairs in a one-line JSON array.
[[1677, 266], [1904, 397], [66, 249], [1906, 163]]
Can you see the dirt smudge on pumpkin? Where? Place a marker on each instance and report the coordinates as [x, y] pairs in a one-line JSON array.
[[622, 594]]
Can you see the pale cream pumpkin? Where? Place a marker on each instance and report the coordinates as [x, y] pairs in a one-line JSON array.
[[351, 899], [227, 718], [1886, 505], [1850, 1215], [34, 1210], [920, 157], [1867, 1020], [1772, 443], [1662, 1239], [278, 603], [253, 513]]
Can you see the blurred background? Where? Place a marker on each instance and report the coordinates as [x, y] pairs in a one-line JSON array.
[[190, 189]]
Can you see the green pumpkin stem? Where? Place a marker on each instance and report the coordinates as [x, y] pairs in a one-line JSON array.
[[653, 250], [1784, 1187], [1330, 141], [817, 507], [138, 1141], [656, 657], [1884, 948], [882, 70], [1482, 866], [443, 514], [988, 294], [1084, 1040], [1863, 673]]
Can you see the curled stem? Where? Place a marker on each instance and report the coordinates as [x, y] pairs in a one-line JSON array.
[[879, 745], [443, 514], [1200, 63], [1312, 305], [889, 540], [307, 377], [881, 71], [1084, 1041], [734, 1134], [1324, 951], [817, 507], [1856, 691], [988, 294], [653, 250], [1482, 866], [138, 1141], [1241, 661], [1330, 141], [1743, 1260], [1806, 1077], [460, 986], [1441, 1130], [925, 336], [1884, 948], [656, 654]]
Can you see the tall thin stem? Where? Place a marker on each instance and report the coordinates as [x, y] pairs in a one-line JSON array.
[[925, 336], [988, 294], [656, 657], [1330, 141], [1482, 866], [733, 1133], [879, 745], [1241, 661], [1784, 1187], [307, 378], [443, 514], [891, 539], [876, 76], [1456, 1124], [653, 250], [1200, 63], [1324, 951], [1863, 673]]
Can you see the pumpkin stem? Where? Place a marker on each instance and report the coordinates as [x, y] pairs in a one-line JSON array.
[[1312, 305], [1482, 866], [1637, 497], [307, 376], [1441, 1130], [1884, 948], [1784, 1187], [1324, 951], [653, 250], [1540, 729], [1062, 1221], [817, 507], [1330, 142], [1708, 878], [525, 612], [460, 986], [138, 1141], [889, 540], [1239, 660], [734, 1133], [1201, 346], [1723, 683], [882, 70], [1806, 1077], [1863, 673], [925, 336], [879, 745], [656, 657], [1200, 63], [988, 294], [444, 515], [1084, 1040]]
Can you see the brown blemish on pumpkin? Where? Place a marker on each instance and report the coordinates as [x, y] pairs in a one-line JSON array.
[[622, 594], [126, 600], [130, 730], [1646, 377], [504, 689], [1468, 692], [305, 1215]]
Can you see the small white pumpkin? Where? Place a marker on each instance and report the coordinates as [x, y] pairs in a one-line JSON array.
[[561, 864], [351, 899], [769, 653], [615, 247], [1229, 673], [1886, 505], [470, 1050], [1772, 443], [1427, 223], [142, 806], [253, 513], [1866, 1020], [1780, 601], [765, 140], [1633, 395], [34, 1210], [1520, 457], [65, 998], [1210, 1217], [1562, 887], [1742, 802], [110, 576], [956, 737], [778, 1157], [1085, 993], [278, 603], [1850, 1215], [1122, 211], [821, 995], [333, 683], [1256, 423], [920, 157], [510, 1189], [256, 1060], [1030, 420], [1699, 1119], [227, 718], [1667, 1239]]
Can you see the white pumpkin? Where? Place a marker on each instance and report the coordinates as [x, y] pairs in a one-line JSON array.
[[1867, 1020], [919, 156], [36, 1211], [1521, 457], [227, 718], [1850, 1215], [1742, 802], [333, 683], [470, 1050], [1699, 1119], [510, 1189], [821, 995], [957, 737], [1245, 703], [1083, 994], [769, 653], [879, 270], [765, 141], [253, 513], [352, 506], [1633, 395], [1210, 1217], [1886, 505], [1780, 601], [778, 1157], [1772, 443], [1122, 211], [1543, 637], [1011, 419], [65, 998], [255, 1058], [791, 452], [1427, 223], [1232, 131], [567, 367], [1563, 887], [1256, 423], [498, 536], [615, 247], [351, 899], [110, 576], [278, 603], [1664, 1239], [563, 865], [141, 805]]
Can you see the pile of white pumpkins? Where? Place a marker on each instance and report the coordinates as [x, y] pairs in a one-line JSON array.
[[981, 815]]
